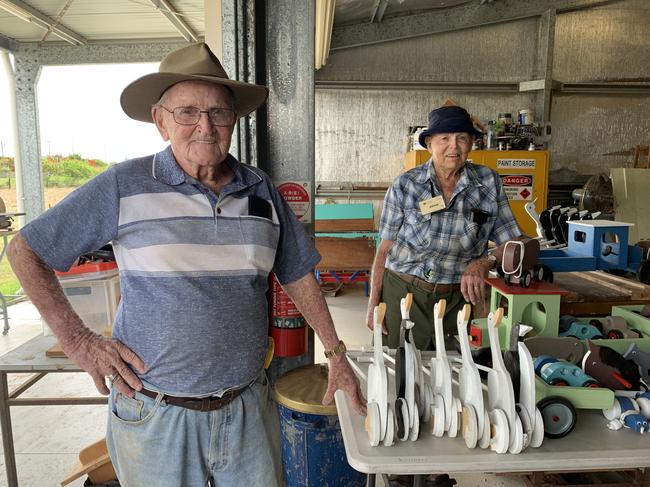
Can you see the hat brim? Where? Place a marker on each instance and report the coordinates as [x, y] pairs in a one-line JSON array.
[[139, 96], [430, 131]]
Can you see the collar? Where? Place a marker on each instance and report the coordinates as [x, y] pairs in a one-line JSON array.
[[165, 169]]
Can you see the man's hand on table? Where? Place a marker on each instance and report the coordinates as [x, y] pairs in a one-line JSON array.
[[105, 358], [341, 376]]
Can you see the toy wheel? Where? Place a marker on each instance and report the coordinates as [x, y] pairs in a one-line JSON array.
[[389, 439], [517, 443], [428, 400], [643, 272], [525, 279], [559, 416], [455, 418], [558, 383], [548, 274], [500, 433], [592, 384], [402, 417], [469, 426], [538, 430], [438, 416], [538, 273], [484, 440], [526, 423], [415, 426], [614, 334], [372, 424], [597, 323]]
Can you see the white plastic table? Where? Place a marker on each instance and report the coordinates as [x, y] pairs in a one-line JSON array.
[[590, 447]]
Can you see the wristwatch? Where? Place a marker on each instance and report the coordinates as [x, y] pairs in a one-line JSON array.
[[340, 348]]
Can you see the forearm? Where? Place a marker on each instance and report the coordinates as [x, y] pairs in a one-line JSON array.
[[43, 288], [377, 272], [306, 294]]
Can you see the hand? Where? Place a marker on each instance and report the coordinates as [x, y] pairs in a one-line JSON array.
[[342, 377], [472, 282], [102, 358], [370, 319]]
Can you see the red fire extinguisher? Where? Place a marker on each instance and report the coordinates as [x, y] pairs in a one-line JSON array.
[[287, 326]]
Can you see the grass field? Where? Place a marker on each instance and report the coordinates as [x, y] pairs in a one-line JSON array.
[[8, 282]]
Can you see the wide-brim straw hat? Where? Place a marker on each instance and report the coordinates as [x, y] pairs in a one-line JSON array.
[[194, 62]]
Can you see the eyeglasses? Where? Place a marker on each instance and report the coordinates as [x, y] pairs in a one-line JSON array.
[[220, 117]]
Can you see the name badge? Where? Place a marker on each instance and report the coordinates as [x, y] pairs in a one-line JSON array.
[[432, 205]]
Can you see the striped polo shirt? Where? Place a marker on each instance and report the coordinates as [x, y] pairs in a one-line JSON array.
[[193, 265]]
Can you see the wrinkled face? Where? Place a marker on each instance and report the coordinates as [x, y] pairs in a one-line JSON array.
[[202, 144], [449, 151]]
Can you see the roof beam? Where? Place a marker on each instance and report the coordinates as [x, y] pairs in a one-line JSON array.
[[28, 13], [7, 43], [378, 11], [464, 16], [176, 20]]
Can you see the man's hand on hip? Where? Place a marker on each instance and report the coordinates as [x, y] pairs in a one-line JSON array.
[[104, 358], [472, 282], [342, 377]]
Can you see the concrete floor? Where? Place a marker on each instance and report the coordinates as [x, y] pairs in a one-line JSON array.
[[48, 438]]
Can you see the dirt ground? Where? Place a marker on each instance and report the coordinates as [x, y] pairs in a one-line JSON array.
[[52, 196]]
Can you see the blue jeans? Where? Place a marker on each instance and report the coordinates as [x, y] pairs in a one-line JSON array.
[[152, 443]]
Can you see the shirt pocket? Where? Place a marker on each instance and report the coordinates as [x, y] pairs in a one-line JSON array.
[[418, 231], [474, 237], [260, 241]]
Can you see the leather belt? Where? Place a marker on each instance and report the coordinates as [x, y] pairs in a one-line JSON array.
[[429, 287], [197, 403]]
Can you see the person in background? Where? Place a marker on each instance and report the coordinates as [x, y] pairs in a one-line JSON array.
[[195, 234], [435, 226]]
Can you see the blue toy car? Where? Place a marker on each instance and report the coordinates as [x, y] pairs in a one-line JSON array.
[[560, 373]]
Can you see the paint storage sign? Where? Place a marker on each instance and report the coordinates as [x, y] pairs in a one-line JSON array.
[[516, 163], [518, 186]]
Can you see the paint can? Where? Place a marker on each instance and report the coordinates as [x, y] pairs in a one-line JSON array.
[[313, 454], [526, 116]]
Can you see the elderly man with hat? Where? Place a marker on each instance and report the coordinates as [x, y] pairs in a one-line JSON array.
[[195, 234], [435, 225]]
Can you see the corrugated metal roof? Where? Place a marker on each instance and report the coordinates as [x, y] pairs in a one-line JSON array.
[[102, 20]]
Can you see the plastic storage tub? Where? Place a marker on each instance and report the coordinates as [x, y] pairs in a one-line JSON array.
[[94, 300]]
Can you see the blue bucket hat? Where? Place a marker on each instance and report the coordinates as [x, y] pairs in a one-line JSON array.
[[447, 120]]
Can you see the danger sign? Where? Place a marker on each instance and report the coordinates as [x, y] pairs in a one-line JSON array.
[[518, 186], [297, 195], [517, 180]]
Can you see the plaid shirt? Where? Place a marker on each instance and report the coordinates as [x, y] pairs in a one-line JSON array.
[[438, 247]]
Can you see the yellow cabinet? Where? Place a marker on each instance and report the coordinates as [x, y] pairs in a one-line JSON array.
[[524, 175]]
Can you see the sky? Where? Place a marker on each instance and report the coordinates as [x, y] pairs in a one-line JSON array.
[[79, 111]]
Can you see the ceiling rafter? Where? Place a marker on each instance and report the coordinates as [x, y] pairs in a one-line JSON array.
[[465, 16], [175, 18], [29, 14], [378, 10]]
